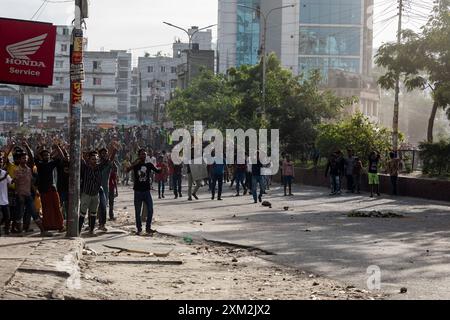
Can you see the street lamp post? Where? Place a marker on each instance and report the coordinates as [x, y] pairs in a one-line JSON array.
[[190, 36], [265, 16]]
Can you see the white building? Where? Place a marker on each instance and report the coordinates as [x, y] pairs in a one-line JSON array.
[[51, 105], [100, 98], [157, 81], [106, 89]]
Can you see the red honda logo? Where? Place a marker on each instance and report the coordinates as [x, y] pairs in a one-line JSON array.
[[27, 52]]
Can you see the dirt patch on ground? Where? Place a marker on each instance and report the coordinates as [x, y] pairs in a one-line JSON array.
[[208, 271]]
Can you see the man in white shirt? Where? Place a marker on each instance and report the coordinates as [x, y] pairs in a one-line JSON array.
[[5, 180]]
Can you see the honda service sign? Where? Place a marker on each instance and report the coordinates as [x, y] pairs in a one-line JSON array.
[[27, 52]]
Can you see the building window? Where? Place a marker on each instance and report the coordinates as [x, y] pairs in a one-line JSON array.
[[97, 81], [339, 12], [59, 64], [58, 97], [150, 69], [60, 80], [163, 84], [330, 41], [65, 31], [123, 63], [173, 69], [173, 84], [96, 65], [324, 64], [163, 69], [123, 74], [248, 34], [51, 119], [64, 48], [375, 109], [149, 84]]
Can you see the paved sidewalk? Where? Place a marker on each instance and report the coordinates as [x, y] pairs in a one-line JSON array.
[[316, 235], [37, 268]]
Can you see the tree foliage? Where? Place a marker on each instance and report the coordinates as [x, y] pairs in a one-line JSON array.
[[436, 157], [422, 60], [295, 105], [356, 133]]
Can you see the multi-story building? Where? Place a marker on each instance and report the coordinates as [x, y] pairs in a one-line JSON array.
[[51, 105], [124, 82], [157, 76], [100, 98], [9, 105], [197, 61], [134, 96], [328, 35], [107, 88], [314, 34]]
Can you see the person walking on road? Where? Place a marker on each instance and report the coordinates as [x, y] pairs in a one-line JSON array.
[[161, 178], [218, 171], [288, 174], [334, 169], [257, 178]]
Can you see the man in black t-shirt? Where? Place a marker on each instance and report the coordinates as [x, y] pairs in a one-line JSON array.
[[142, 172]]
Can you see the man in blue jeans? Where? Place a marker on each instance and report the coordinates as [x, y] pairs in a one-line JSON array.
[[218, 170], [106, 161], [257, 178], [142, 172]]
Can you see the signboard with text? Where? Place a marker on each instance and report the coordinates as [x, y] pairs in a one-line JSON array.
[[27, 52]]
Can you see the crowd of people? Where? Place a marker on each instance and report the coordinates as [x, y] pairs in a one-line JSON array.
[[34, 179], [351, 167]]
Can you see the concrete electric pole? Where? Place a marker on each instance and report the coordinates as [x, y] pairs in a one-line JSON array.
[[76, 95], [190, 36], [265, 17], [395, 123]]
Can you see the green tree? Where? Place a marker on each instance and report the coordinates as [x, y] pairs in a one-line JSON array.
[[209, 99], [293, 104], [422, 60], [356, 133]]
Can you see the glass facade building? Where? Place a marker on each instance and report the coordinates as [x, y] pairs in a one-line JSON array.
[[330, 35], [248, 33]]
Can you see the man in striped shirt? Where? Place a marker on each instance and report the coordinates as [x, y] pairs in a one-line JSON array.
[[91, 183]]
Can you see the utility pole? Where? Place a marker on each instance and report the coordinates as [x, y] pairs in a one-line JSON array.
[[265, 17], [140, 99], [76, 95], [190, 36], [395, 124], [42, 112]]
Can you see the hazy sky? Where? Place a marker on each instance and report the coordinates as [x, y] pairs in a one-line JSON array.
[[131, 24]]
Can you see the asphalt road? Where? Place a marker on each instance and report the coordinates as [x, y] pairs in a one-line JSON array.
[[316, 235]]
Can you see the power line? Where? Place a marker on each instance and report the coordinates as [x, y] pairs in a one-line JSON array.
[[40, 7]]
